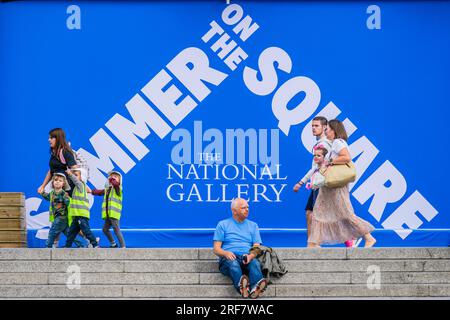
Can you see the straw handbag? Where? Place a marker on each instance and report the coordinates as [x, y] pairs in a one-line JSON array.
[[339, 175]]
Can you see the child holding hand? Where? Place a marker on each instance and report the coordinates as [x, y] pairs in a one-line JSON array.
[[112, 207], [316, 179], [59, 204], [79, 212]]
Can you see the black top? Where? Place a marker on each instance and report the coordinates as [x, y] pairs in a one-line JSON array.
[[57, 166]]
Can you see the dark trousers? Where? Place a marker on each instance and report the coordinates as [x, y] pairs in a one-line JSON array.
[[80, 223]]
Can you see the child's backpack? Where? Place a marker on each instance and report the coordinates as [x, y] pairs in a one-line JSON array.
[[79, 159]]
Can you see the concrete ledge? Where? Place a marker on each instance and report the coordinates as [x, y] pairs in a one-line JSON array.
[[351, 291], [293, 254], [181, 291], [60, 292], [125, 254], [59, 266], [25, 254], [388, 253], [220, 291], [171, 266], [405, 277], [193, 273], [23, 278], [398, 253], [353, 265], [128, 278], [88, 266], [24, 266], [437, 265], [440, 291], [289, 278], [439, 253], [206, 254]]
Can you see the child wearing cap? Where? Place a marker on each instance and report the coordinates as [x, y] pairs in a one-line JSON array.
[[59, 203], [79, 213], [112, 207]]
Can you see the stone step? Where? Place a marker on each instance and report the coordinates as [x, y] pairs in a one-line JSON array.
[[389, 290], [206, 254], [296, 266], [343, 278], [220, 291], [193, 273], [218, 279]]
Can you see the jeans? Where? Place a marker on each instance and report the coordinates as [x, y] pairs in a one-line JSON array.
[[80, 223], [59, 226], [236, 268], [116, 226]]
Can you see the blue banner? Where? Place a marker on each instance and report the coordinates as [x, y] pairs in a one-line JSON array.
[[199, 102]]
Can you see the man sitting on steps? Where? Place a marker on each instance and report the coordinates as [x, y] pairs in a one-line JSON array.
[[233, 239]]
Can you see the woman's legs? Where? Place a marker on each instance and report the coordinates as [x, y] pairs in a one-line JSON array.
[[370, 240], [313, 245], [308, 222]]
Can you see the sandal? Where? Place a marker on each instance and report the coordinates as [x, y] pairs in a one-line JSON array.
[[261, 286], [244, 287]]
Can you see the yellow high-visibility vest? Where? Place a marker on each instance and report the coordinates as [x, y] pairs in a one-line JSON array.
[[114, 202], [79, 205]]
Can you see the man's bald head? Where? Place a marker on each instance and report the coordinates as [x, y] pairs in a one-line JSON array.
[[239, 207]]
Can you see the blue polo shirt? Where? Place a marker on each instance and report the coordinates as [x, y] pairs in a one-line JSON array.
[[237, 237]]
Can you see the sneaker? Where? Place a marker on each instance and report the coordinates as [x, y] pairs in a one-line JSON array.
[[259, 289], [244, 287], [114, 245]]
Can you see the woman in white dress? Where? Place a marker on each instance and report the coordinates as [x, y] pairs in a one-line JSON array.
[[334, 220]]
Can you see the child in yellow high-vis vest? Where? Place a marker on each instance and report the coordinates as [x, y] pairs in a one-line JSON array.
[[112, 207], [79, 213]]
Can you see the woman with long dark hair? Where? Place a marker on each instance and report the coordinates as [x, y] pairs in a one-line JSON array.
[[61, 157], [334, 220]]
